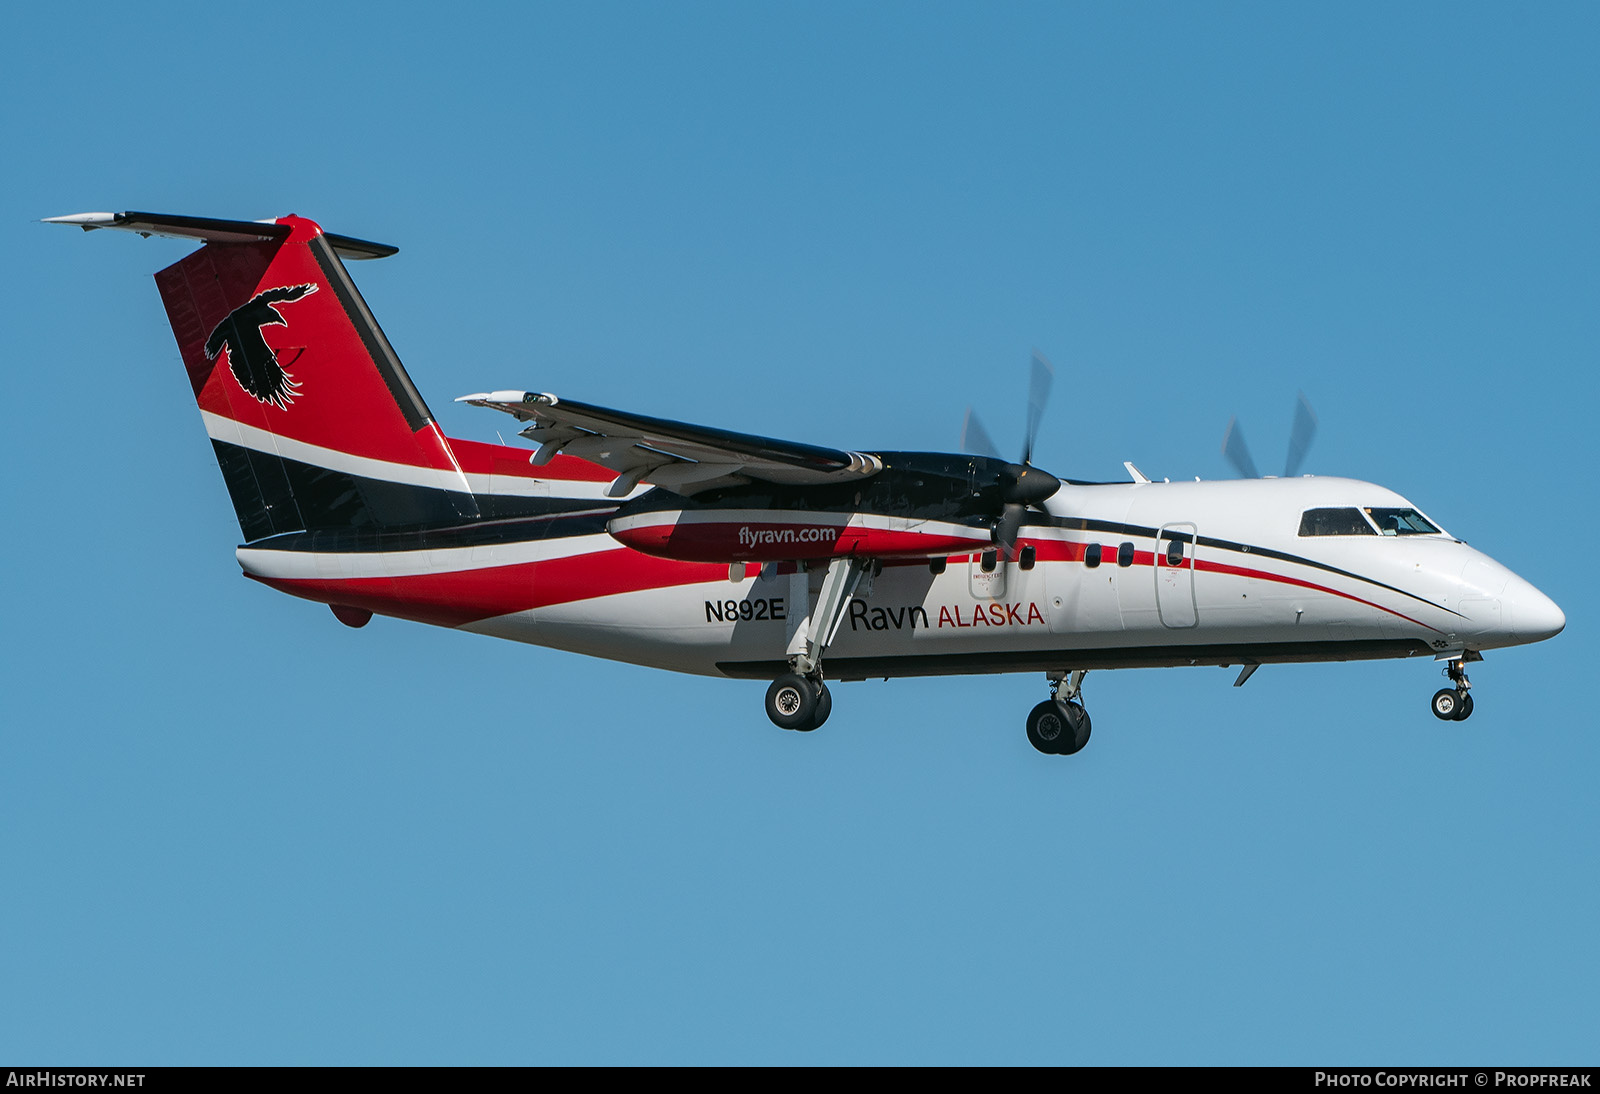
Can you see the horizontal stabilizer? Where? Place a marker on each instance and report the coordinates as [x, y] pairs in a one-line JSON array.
[[211, 230]]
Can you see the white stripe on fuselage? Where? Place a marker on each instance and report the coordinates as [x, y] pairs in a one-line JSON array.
[[224, 429], [342, 565]]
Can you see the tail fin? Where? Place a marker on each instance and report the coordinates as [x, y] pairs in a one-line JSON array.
[[315, 423]]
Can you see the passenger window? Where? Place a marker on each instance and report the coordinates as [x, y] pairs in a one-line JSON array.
[[1125, 555], [1091, 555], [987, 561], [1175, 552], [1334, 522], [1026, 559]]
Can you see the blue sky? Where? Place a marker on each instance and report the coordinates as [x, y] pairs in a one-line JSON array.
[[237, 832]]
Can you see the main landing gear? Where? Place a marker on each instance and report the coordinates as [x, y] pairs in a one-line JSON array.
[[1059, 726], [799, 699], [1454, 703], [798, 702]]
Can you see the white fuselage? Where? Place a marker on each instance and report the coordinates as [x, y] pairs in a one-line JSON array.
[[1247, 588]]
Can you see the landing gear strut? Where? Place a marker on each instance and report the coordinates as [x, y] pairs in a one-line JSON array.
[[1454, 703], [799, 699], [1059, 726]]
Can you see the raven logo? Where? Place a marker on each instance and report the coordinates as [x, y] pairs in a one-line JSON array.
[[254, 363]]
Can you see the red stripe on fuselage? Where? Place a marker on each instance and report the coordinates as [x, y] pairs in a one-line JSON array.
[[1244, 571], [459, 597], [1057, 550]]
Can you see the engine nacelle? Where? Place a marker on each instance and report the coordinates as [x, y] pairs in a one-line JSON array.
[[765, 535], [921, 505]]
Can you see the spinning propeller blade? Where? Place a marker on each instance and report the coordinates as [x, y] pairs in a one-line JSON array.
[[1006, 531], [1022, 484], [1238, 452], [1044, 374], [975, 439], [1301, 435]]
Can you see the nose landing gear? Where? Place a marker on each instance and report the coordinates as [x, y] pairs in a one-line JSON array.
[[1454, 703]]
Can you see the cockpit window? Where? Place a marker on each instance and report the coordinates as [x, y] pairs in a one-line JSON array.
[[1401, 522], [1336, 522]]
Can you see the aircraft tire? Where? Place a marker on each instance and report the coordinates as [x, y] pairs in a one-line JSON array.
[[1465, 710], [792, 702], [1447, 705], [824, 708], [1046, 727], [1078, 727]]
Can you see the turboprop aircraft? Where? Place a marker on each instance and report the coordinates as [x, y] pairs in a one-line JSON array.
[[702, 550]]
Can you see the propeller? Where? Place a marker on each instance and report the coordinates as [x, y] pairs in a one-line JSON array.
[[1301, 434], [1021, 484], [1042, 375]]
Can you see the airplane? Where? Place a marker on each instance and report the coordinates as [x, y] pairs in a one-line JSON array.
[[702, 550]]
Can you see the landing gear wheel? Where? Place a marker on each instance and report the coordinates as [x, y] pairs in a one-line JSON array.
[[824, 708], [1058, 729], [1465, 710], [1047, 728], [1448, 704], [1077, 734], [792, 702]]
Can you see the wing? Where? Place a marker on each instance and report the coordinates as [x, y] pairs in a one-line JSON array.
[[680, 457]]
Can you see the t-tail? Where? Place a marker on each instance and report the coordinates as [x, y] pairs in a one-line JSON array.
[[346, 489], [315, 423]]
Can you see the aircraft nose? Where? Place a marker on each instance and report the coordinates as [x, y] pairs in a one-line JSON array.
[[1534, 616]]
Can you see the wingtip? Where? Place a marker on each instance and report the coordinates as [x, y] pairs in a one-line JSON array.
[[86, 221], [507, 397]]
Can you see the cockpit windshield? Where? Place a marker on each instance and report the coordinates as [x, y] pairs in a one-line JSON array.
[[1334, 522], [1401, 522], [1362, 522]]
